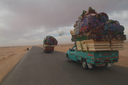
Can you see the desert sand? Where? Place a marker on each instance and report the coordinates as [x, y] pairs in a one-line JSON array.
[[10, 56]]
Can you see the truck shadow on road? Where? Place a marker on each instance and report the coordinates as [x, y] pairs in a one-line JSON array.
[[95, 68]]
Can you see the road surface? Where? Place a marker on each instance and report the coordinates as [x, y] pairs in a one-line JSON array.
[[38, 68]]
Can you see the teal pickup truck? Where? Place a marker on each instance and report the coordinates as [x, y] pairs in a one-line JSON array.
[[90, 59]]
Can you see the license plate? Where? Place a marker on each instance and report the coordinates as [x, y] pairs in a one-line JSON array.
[[101, 65]]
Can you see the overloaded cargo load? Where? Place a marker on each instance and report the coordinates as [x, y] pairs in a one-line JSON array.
[[50, 41], [92, 28], [91, 45]]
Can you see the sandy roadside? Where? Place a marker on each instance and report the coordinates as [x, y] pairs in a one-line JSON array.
[[9, 57]]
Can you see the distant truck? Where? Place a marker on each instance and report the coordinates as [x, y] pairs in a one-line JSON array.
[[48, 49], [49, 43], [91, 59]]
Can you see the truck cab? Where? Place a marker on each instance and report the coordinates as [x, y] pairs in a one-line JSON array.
[[90, 59]]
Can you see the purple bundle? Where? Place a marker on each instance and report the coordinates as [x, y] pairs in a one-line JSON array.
[[92, 20], [112, 25], [120, 29], [50, 40]]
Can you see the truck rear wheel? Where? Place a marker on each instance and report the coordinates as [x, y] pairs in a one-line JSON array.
[[84, 64], [68, 58], [107, 65]]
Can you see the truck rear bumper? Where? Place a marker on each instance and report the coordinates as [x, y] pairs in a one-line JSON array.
[[106, 64], [105, 61]]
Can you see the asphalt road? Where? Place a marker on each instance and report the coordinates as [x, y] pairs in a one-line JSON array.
[[38, 68]]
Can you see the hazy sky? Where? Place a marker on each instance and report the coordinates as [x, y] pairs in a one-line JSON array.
[[27, 22]]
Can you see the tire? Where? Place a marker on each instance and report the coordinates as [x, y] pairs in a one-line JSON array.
[[84, 64], [68, 58], [106, 65]]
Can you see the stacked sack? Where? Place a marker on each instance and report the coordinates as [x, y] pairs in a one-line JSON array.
[[97, 24], [96, 32], [50, 41]]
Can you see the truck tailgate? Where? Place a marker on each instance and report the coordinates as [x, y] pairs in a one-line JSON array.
[[106, 57]]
